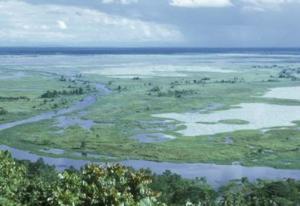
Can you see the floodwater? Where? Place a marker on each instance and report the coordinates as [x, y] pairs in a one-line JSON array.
[[152, 137], [284, 93], [65, 122], [253, 116], [53, 151], [216, 175], [154, 70], [258, 116], [11, 76]]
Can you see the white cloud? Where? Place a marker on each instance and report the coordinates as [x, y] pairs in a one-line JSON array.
[[61, 24], [201, 3], [119, 1], [263, 5], [54, 24]]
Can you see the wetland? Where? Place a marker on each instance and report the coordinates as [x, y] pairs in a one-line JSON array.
[[210, 113]]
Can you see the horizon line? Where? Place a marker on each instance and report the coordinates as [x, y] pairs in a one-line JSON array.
[[155, 47]]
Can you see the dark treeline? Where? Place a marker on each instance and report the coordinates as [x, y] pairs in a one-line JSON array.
[[55, 93], [290, 73], [14, 98], [25, 183], [172, 93], [175, 89]]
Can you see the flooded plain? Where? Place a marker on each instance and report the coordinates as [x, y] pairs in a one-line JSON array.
[[152, 137], [284, 93], [65, 122], [152, 71], [211, 120], [246, 116]]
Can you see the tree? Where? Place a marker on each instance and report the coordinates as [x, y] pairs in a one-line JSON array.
[[27, 184]]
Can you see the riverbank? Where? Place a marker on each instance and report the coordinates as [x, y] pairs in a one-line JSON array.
[[117, 184], [216, 175]]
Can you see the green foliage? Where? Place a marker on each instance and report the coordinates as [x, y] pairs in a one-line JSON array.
[[14, 98], [12, 179], [94, 185], [29, 184], [177, 191], [24, 183], [3, 111], [269, 193], [55, 93]]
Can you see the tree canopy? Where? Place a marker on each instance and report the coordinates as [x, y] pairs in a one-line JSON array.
[[23, 183]]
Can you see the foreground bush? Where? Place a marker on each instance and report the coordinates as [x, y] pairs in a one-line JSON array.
[[33, 184], [93, 185]]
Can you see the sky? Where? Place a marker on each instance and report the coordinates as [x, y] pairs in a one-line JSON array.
[[146, 23]]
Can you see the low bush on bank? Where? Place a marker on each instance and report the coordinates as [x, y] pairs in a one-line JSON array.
[[14, 98], [3, 111]]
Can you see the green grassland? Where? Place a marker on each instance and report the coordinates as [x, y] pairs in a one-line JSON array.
[[128, 110], [31, 86]]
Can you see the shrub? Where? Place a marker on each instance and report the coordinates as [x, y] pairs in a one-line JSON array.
[[3, 111], [93, 185]]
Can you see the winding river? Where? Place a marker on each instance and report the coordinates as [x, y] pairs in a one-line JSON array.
[[216, 175], [78, 106]]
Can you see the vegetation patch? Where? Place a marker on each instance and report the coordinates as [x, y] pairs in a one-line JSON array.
[[3, 111], [14, 98], [234, 121], [54, 93]]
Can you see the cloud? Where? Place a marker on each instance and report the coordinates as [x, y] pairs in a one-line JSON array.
[[119, 1], [201, 3], [61, 24], [22, 22], [263, 5]]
